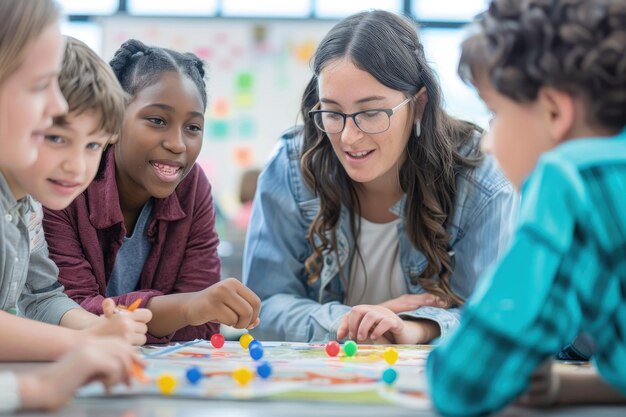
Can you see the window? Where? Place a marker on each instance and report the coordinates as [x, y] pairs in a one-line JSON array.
[[88, 32], [266, 8], [337, 9], [442, 49], [447, 10], [87, 8], [172, 7]]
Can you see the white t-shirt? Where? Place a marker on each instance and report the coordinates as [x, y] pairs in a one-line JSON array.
[[378, 276], [9, 393]]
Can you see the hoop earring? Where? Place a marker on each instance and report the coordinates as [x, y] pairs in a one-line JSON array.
[[418, 128]]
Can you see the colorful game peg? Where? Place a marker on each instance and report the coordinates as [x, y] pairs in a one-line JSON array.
[[332, 348], [390, 355], [194, 375], [217, 340], [245, 340], [243, 375], [166, 383], [350, 348], [253, 343], [389, 376], [264, 370], [256, 350]]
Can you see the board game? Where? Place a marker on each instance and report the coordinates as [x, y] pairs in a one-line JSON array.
[[299, 372]]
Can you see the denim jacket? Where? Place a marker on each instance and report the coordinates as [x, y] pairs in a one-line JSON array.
[[277, 247]]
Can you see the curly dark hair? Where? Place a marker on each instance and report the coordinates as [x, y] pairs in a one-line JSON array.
[[387, 46], [576, 46]]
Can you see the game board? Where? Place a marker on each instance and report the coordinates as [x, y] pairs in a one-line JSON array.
[[300, 372]]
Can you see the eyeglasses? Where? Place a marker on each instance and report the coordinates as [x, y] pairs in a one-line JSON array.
[[369, 121]]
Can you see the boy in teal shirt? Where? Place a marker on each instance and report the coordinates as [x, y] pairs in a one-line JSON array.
[[554, 75]]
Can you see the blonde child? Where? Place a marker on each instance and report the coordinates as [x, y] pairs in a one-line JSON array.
[[554, 74], [30, 57]]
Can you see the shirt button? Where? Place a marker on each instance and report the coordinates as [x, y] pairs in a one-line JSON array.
[[8, 217], [17, 259]]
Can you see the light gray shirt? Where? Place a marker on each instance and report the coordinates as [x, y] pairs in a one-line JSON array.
[[376, 276], [28, 277]]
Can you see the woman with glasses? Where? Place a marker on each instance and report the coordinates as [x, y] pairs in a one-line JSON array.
[[374, 219]]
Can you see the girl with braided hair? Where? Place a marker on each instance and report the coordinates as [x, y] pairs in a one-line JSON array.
[[374, 219], [144, 230], [554, 74]]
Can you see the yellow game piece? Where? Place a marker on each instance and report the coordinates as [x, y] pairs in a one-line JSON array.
[[245, 340], [243, 375], [166, 383], [390, 355]]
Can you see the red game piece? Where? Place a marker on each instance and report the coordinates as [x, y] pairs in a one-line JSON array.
[[217, 340], [332, 348]]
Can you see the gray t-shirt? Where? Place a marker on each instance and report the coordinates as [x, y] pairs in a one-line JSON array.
[[132, 256]]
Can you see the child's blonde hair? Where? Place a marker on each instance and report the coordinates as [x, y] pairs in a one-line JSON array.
[[22, 22], [88, 84]]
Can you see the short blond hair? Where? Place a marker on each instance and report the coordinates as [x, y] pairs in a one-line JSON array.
[[22, 22], [88, 84]]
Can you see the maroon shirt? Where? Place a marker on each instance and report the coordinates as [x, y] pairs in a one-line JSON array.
[[85, 238]]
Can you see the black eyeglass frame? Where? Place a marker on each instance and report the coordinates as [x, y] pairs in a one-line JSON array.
[[344, 116]]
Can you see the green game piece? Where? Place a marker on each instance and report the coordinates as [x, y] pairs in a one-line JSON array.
[[350, 348], [389, 376]]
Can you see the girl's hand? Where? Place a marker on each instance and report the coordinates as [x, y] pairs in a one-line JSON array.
[[410, 302], [365, 323], [228, 302], [129, 325], [105, 359]]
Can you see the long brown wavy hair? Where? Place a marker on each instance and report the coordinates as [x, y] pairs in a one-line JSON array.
[[387, 46], [576, 46]]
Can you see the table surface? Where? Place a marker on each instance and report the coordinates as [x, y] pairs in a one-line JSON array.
[[150, 406]]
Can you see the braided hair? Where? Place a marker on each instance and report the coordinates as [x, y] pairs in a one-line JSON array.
[[138, 66]]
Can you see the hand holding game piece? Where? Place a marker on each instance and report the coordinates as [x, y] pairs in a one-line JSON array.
[[332, 348], [217, 340], [108, 360], [129, 325], [228, 302], [390, 355], [243, 375], [365, 323], [410, 302]]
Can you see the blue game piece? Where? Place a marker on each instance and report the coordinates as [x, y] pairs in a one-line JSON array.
[[389, 376], [264, 370], [255, 343], [256, 352], [194, 374]]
